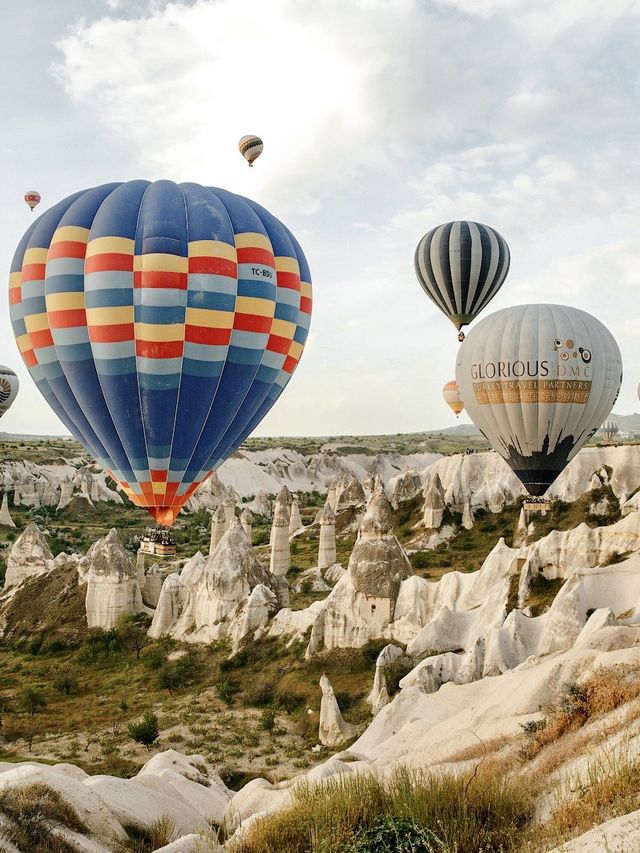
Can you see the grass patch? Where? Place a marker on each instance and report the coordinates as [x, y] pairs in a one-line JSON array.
[[32, 809], [146, 839], [355, 812]]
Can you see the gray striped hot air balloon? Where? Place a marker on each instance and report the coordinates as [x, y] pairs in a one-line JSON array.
[[537, 381], [461, 266]]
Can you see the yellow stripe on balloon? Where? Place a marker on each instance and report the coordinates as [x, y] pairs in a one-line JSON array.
[[159, 488], [110, 316], [209, 318], [305, 288], [286, 264], [24, 342], [35, 256], [253, 305], [253, 240], [160, 262], [212, 249], [295, 350], [36, 322], [283, 328], [15, 279], [159, 331], [65, 300], [110, 246], [73, 233]]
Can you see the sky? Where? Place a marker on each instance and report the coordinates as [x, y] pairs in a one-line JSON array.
[[381, 119]]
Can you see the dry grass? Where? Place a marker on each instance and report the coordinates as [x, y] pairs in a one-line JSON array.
[[33, 810], [342, 814], [610, 788], [146, 839], [605, 690]]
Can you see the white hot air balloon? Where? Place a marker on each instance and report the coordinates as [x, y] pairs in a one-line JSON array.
[[609, 431], [538, 380], [8, 388]]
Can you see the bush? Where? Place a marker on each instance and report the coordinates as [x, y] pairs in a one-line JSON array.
[[146, 731], [66, 681], [395, 671], [180, 673], [226, 690], [268, 719], [32, 700]]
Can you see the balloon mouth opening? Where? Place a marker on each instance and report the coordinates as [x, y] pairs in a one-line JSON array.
[[164, 515]]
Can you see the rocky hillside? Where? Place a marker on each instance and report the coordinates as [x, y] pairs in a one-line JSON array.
[[415, 615]]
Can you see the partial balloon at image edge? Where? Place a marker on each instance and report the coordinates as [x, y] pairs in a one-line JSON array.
[[487, 383]]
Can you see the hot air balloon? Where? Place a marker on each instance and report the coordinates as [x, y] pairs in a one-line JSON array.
[[9, 386], [161, 322], [538, 380], [32, 198], [451, 394], [609, 431], [461, 266], [250, 147]]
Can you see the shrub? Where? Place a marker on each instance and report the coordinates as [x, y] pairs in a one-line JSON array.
[[146, 731], [226, 690], [260, 694], [395, 671], [268, 719], [180, 673], [32, 700], [66, 681]]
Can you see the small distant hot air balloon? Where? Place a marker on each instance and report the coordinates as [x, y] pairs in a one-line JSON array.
[[609, 431], [32, 198], [161, 322], [451, 394], [461, 266], [537, 381], [9, 386], [250, 147]]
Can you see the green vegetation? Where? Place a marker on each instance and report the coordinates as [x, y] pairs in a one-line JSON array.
[[146, 731], [410, 811]]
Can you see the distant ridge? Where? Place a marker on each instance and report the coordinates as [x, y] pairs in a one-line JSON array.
[[627, 423]]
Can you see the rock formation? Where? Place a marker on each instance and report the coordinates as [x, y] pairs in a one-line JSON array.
[[295, 520], [327, 543], [229, 595], [153, 582], [379, 696], [349, 493], [467, 516], [5, 515], [280, 559], [229, 506], [219, 527], [112, 585], [246, 520], [406, 487], [29, 555], [333, 730], [362, 605], [434, 504]]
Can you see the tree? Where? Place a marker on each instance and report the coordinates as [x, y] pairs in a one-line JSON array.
[[146, 731], [132, 632], [32, 700], [66, 681]]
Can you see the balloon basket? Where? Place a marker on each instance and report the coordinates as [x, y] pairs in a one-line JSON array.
[[536, 506], [158, 541]]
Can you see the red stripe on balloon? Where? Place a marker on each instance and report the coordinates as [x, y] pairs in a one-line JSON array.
[[160, 279], [252, 323], [159, 349], [111, 334], [108, 262], [205, 335], [213, 266]]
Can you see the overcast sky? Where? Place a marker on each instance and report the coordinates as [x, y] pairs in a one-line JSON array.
[[381, 119]]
